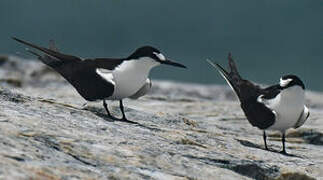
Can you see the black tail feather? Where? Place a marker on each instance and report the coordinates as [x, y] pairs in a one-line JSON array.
[[46, 59], [33, 53], [258, 114], [233, 66], [60, 56], [233, 77], [52, 45]]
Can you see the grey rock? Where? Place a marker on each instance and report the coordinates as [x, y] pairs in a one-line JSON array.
[[184, 131]]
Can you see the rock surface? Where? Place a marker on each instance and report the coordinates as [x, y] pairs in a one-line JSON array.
[[184, 131]]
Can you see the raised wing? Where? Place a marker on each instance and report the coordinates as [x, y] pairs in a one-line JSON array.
[[244, 89], [225, 75], [232, 77], [257, 113]]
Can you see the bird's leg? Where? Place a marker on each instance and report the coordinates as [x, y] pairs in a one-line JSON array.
[[123, 114], [106, 108], [265, 138], [122, 110], [283, 141]]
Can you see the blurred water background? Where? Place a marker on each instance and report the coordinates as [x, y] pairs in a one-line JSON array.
[[268, 38]]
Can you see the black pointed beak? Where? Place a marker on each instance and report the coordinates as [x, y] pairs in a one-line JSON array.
[[172, 63]]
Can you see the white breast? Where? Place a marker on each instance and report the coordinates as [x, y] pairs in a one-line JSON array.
[[288, 105], [130, 76]]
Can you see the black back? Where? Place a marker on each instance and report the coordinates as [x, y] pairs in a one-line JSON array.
[[257, 113], [80, 73]]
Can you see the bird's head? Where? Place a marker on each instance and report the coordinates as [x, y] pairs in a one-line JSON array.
[[291, 80], [153, 54]]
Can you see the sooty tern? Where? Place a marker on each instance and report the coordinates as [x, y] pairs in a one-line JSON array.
[[278, 107], [105, 78]]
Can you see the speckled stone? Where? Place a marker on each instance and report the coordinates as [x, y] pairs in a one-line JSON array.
[[184, 131]]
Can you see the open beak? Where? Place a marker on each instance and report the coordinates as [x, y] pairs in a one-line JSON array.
[[172, 63]]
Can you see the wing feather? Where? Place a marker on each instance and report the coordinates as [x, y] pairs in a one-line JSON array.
[[257, 113], [303, 117]]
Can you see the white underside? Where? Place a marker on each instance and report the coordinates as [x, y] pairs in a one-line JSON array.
[[143, 90], [288, 107], [130, 78]]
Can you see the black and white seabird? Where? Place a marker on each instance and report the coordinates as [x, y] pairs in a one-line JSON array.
[[106, 78], [278, 107]]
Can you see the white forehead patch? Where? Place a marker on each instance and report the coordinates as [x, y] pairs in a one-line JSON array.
[[160, 56], [285, 82]]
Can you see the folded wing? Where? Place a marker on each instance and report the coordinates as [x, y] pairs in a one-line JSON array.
[[82, 74], [302, 118]]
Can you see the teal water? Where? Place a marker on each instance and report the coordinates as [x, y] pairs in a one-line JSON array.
[[268, 38]]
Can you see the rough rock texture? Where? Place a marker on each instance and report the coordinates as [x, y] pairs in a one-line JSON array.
[[184, 131]]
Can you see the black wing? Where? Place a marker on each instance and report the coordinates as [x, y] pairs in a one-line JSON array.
[[257, 113], [104, 63], [83, 76], [271, 91], [80, 73]]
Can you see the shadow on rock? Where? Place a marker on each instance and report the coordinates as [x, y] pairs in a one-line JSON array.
[[252, 169], [99, 112], [253, 145], [310, 136], [249, 144], [13, 97]]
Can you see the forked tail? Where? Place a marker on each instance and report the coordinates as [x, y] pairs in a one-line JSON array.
[[232, 77], [47, 59], [52, 51]]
